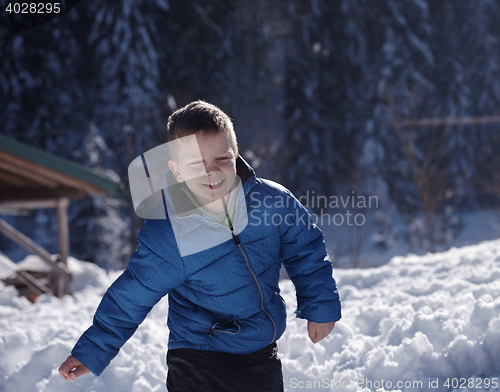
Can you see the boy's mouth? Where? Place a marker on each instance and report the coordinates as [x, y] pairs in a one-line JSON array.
[[214, 185]]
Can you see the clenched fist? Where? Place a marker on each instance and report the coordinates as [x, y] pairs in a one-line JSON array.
[[318, 331], [72, 368]]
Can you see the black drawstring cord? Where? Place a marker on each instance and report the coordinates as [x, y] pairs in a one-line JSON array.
[[235, 237]]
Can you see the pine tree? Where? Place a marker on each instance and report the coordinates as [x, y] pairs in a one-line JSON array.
[[321, 131], [41, 88]]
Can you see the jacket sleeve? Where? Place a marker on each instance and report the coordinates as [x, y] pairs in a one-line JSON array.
[[303, 253], [126, 304]]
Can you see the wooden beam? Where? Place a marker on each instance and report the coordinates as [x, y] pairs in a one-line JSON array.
[[51, 174], [12, 179], [33, 248], [16, 194], [36, 274], [437, 121], [33, 284], [29, 173], [27, 204]]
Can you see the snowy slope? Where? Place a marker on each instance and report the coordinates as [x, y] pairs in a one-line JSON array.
[[416, 319]]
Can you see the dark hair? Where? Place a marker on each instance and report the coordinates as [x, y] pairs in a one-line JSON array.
[[200, 116]]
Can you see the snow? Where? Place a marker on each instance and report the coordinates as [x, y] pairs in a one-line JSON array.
[[424, 319], [7, 266]]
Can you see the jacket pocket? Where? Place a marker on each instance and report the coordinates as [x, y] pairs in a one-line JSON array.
[[229, 326]]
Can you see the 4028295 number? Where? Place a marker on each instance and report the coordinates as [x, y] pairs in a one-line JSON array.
[[33, 8], [476, 383]]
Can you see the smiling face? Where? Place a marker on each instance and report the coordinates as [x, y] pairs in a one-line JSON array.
[[207, 163]]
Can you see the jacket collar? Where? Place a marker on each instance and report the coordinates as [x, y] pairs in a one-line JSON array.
[[246, 173]]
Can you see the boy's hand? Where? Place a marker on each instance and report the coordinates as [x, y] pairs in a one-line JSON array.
[[72, 368], [318, 331]]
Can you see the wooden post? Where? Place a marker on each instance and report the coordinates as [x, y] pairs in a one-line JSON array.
[[63, 242], [57, 267], [130, 156]]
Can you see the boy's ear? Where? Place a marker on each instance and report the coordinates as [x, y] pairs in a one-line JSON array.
[[175, 169]]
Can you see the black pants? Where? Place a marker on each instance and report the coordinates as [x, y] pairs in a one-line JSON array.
[[211, 371]]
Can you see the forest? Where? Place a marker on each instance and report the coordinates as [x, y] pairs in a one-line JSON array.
[[397, 100]]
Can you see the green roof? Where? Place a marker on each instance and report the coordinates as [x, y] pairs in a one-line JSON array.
[[59, 164]]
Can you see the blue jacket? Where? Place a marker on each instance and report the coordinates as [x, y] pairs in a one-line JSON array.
[[224, 298]]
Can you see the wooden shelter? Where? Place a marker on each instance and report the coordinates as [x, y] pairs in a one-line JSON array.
[[30, 179]]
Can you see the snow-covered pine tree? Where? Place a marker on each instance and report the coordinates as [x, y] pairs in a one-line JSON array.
[[126, 63], [41, 88], [475, 146], [440, 59], [322, 114]]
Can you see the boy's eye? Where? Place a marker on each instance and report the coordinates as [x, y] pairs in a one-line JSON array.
[[198, 162]]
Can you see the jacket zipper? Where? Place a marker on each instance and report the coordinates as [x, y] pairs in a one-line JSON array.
[[238, 244], [237, 241]]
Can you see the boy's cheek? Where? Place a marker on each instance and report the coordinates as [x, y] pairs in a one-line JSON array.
[[196, 175]]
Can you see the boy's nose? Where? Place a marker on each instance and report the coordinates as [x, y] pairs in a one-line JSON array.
[[211, 168]]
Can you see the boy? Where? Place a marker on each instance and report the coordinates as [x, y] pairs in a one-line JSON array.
[[218, 257]]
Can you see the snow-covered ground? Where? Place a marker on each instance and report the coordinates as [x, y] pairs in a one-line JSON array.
[[414, 324]]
